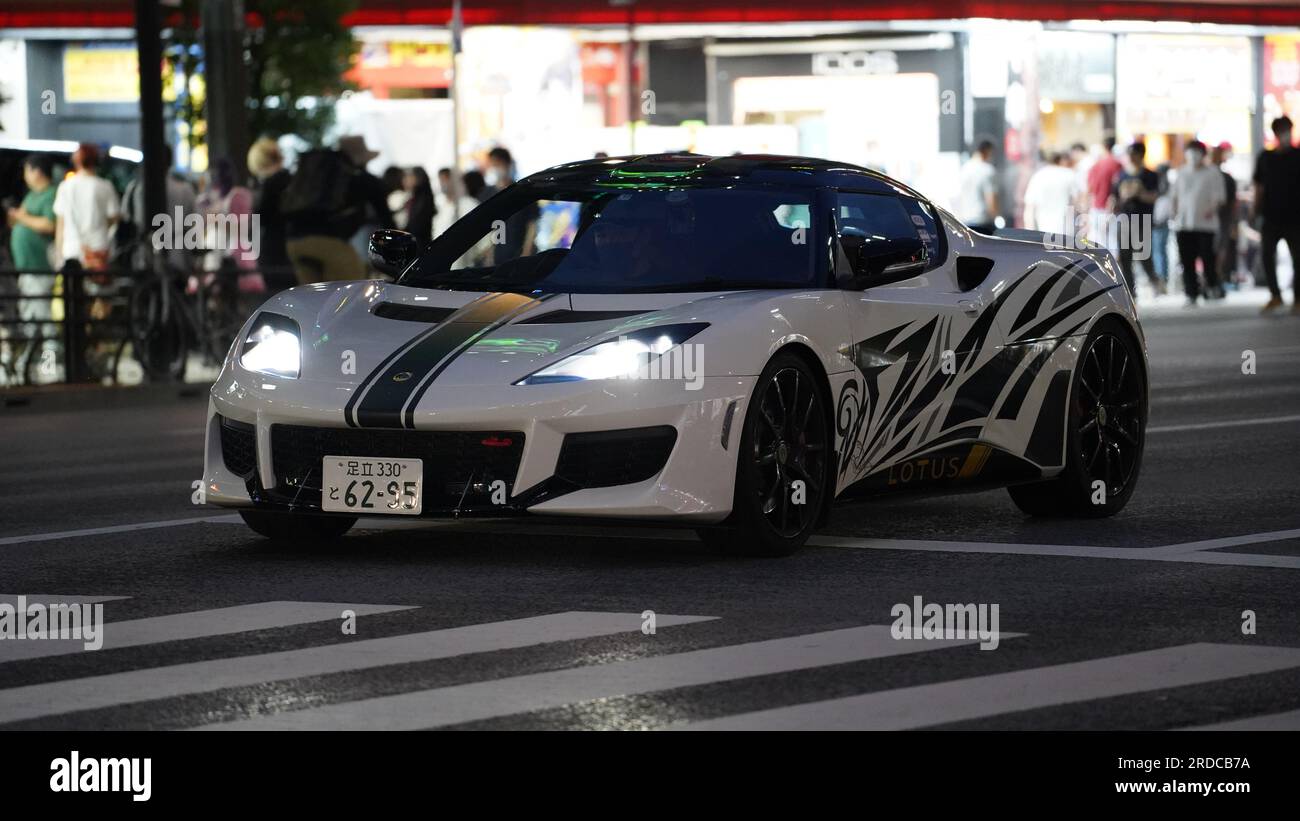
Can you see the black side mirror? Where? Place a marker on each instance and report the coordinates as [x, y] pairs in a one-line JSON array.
[[889, 260], [390, 250]]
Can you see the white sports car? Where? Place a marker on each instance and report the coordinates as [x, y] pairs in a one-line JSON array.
[[730, 344]]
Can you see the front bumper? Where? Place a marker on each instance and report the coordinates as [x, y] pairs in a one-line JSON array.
[[696, 482]]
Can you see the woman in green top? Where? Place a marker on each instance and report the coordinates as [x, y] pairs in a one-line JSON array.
[[32, 225]]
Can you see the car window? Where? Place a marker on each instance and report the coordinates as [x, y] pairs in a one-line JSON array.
[[867, 218], [927, 226], [610, 239]]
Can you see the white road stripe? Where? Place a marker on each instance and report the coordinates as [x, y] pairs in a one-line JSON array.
[[970, 698], [1277, 721], [521, 694], [53, 698], [1167, 553], [1230, 541], [11, 599], [1226, 423], [99, 531], [182, 626]]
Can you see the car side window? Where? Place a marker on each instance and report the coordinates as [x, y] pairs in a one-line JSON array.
[[863, 219], [927, 226]]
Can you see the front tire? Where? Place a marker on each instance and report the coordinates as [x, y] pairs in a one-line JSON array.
[[296, 527], [1105, 435], [786, 438]]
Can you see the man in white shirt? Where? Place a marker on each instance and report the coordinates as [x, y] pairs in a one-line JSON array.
[[1197, 195], [978, 195], [85, 209], [1050, 197]]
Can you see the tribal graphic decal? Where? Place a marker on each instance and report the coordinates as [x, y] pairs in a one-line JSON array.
[[904, 401], [389, 395]]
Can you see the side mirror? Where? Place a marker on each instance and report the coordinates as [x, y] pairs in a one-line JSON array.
[[390, 250], [889, 260]]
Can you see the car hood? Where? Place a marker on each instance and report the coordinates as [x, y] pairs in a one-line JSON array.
[[351, 329]]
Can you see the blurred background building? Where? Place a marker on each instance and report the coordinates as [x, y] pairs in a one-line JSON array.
[[867, 83]]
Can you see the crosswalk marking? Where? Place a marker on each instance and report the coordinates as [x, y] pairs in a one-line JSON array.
[[490, 699], [53, 698], [180, 626], [970, 698]]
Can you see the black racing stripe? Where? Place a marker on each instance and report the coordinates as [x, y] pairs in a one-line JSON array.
[[1043, 327], [381, 407], [349, 410], [1075, 285], [975, 397], [1016, 396], [409, 416], [1045, 443], [1035, 303]]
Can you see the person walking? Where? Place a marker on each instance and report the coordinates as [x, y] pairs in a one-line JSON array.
[[1225, 239], [1101, 184], [420, 206], [1049, 198], [978, 190], [1134, 197], [30, 240], [270, 179], [1198, 194], [1161, 213], [1276, 207], [326, 203], [86, 208]]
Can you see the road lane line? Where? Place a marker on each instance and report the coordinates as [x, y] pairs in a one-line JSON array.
[[1167, 553], [444, 706], [115, 689], [930, 705], [11, 599], [1275, 721], [100, 531], [195, 625], [1229, 541], [1226, 423]]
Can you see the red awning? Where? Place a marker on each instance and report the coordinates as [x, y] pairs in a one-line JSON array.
[[118, 13]]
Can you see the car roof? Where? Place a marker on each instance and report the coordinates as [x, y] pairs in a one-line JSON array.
[[757, 169]]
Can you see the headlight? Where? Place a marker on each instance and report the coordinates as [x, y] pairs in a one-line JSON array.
[[272, 346], [619, 358]]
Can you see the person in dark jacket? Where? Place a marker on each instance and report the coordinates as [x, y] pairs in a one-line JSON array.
[[266, 165], [420, 207]]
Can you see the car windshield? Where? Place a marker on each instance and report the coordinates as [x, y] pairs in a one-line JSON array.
[[617, 240]]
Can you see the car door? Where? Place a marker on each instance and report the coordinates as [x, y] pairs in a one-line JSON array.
[[915, 333]]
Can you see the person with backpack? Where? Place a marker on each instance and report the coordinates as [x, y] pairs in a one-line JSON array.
[[329, 199]]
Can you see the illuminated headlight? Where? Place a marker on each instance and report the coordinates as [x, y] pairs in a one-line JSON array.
[[272, 346], [618, 358]]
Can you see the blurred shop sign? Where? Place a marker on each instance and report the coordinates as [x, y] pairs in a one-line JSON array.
[[1281, 77], [1183, 84], [107, 73], [855, 62], [1076, 67]]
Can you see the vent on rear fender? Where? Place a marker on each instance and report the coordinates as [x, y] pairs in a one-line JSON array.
[[412, 313], [972, 271]]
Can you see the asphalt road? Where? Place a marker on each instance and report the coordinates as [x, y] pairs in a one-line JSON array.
[[1130, 623]]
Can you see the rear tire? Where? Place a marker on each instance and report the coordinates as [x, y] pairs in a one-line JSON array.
[[786, 438], [1105, 434], [297, 527]]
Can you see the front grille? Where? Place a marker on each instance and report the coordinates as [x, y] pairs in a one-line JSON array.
[[615, 457], [238, 447], [459, 466]]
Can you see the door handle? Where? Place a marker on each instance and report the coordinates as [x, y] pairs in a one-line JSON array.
[[972, 307]]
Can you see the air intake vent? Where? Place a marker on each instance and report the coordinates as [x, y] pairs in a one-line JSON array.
[[412, 313], [238, 447], [615, 457], [565, 317]]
